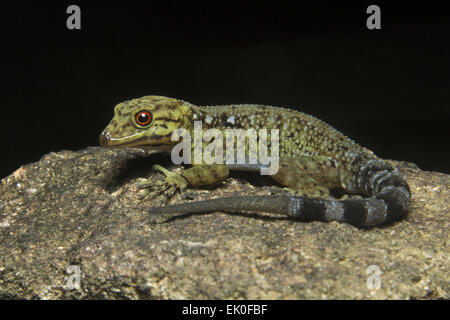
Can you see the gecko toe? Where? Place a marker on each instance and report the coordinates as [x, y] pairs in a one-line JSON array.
[[187, 195], [161, 169], [274, 189]]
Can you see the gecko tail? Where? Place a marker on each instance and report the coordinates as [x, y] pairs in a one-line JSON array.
[[377, 210], [273, 204]]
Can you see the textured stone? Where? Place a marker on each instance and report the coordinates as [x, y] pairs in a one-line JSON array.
[[82, 209]]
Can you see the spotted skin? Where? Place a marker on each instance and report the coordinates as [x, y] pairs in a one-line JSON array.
[[314, 158]]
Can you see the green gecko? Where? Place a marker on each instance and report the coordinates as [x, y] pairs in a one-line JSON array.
[[313, 159]]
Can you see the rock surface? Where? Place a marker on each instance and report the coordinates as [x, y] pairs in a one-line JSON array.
[[80, 211]]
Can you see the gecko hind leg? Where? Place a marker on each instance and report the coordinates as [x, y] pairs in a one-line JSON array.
[[308, 176]]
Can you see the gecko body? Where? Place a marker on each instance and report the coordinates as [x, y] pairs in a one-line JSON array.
[[313, 159]]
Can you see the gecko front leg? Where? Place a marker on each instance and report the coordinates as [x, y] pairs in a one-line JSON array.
[[199, 175]]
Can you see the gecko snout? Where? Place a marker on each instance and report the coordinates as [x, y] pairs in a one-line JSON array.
[[104, 138]]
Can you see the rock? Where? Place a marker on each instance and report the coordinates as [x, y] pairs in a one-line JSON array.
[[79, 211]]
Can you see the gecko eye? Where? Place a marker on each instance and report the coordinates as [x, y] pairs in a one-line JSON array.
[[143, 118]]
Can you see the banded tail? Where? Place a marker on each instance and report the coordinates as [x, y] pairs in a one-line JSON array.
[[389, 200]]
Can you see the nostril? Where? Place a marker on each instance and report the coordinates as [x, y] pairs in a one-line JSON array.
[[104, 139]]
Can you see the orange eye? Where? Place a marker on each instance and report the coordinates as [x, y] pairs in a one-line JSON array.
[[143, 118]]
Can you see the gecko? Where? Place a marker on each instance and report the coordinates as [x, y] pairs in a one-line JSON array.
[[314, 158]]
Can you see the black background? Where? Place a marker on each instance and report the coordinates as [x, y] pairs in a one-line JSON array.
[[387, 89]]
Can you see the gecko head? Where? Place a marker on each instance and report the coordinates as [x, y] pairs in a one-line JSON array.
[[146, 123]]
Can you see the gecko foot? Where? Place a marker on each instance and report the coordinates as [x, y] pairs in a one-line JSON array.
[[166, 187], [350, 196]]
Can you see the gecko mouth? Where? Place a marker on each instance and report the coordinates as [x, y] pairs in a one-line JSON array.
[[106, 141], [155, 147]]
